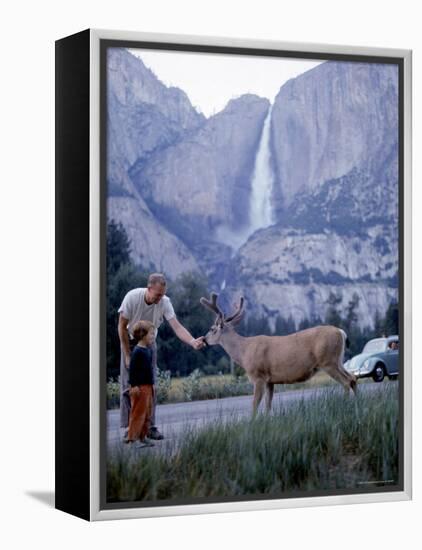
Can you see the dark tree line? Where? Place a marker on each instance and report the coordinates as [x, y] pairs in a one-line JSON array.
[[384, 325]]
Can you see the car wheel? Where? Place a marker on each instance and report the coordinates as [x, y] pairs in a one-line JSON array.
[[378, 373]]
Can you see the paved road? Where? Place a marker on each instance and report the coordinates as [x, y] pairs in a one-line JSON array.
[[172, 419]]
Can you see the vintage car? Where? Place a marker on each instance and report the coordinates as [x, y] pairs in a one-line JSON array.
[[379, 358]]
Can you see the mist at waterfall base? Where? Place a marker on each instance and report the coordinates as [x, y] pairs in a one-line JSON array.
[[260, 207]]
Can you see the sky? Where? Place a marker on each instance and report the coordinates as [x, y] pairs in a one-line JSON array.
[[211, 80]]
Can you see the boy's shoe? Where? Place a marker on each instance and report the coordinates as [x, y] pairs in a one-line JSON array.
[[155, 434]]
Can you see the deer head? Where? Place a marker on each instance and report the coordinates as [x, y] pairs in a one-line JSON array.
[[221, 323]]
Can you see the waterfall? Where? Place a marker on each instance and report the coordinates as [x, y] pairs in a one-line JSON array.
[[261, 212], [260, 209]]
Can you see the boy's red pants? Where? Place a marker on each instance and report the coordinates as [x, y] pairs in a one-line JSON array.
[[140, 411]]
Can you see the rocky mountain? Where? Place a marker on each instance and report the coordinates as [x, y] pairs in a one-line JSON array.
[[348, 204], [292, 272], [335, 161], [203, 180], [331, 120], [152, 246], [143, 116], [181, 185]]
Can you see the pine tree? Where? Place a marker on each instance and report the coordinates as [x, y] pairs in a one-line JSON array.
[[332, 316], [280, 328], [304, 324], [291, 325], [118, 247], [351, 313], [379, 326], [392, 319]]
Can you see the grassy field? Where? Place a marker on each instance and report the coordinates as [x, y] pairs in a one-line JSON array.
[[322, 443]]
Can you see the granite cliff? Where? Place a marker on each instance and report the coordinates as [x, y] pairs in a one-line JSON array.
[[175, 179]]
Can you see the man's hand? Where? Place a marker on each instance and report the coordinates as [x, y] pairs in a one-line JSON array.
[[198, 343], [127, 361], [185, 336]]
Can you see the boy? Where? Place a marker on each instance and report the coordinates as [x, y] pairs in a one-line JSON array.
[[141, 382]]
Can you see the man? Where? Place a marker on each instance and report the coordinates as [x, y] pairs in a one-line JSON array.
[[146, 304]]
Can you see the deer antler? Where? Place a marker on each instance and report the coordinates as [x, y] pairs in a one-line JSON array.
[[237, 314], [213, 304]]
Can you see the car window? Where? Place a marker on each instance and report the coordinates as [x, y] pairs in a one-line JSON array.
[[393, 346], [374, 346]]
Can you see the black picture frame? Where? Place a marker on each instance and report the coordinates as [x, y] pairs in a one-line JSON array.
[[81, 151]]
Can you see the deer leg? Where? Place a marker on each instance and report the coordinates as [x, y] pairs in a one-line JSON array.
[[350, 377], [269, 396], [257, 395], [342, 377]]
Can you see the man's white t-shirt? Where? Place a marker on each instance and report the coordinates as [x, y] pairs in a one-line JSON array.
[[134, 308]]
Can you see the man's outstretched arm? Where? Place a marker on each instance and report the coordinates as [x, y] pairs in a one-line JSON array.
[[185, 336]]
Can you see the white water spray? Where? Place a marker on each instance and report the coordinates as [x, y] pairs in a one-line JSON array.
[[260, 209], [261, 212]]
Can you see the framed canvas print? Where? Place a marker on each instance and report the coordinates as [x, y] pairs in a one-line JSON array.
[[233, 292]]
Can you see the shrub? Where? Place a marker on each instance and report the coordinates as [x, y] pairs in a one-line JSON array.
[[163, 385], [113, 394], [191, 385], [234, 387], [210, 369]]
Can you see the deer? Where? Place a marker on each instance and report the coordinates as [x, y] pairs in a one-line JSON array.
[[269, 360]]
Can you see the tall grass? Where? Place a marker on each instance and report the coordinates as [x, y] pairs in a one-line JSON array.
[[321, 443]]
